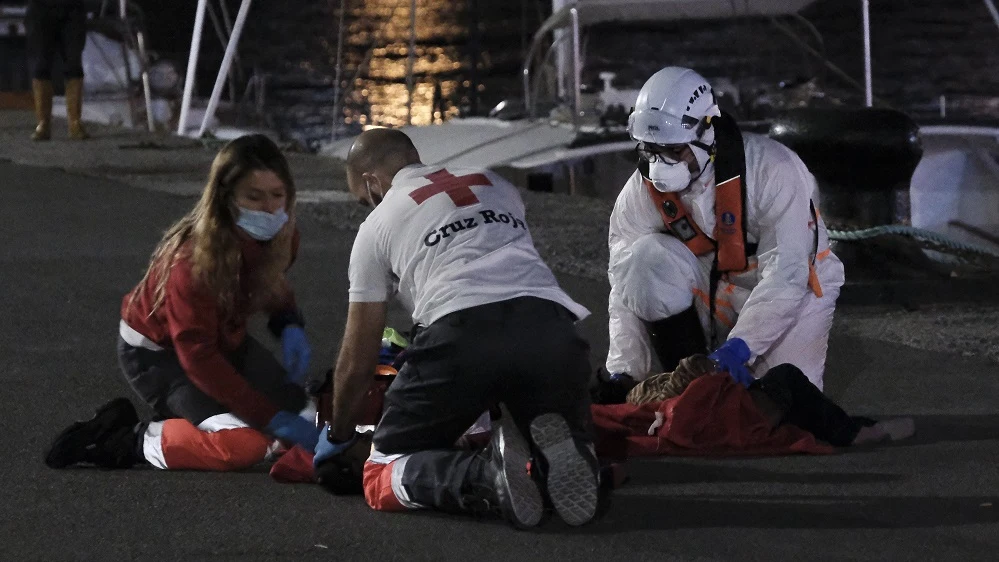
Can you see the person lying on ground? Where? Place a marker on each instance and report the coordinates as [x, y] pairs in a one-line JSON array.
[[220, 398], [785, 396]]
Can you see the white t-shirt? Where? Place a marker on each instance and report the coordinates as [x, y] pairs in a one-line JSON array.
[[449, 239]]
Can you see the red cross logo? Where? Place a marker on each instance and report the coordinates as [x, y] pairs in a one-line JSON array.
[[456, 187]]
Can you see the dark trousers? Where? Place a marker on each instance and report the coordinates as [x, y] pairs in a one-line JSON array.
[[56, 27], [524, 352], [159, 379], [789, 397]]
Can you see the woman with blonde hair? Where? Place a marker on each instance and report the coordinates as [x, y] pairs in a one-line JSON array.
[[220, 398]]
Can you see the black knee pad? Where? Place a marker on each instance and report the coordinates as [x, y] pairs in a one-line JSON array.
[[677, 337]]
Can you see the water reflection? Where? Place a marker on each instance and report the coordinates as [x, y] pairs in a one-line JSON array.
[[376, 49], [378, 39]]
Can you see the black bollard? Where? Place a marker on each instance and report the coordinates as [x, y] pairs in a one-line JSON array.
[[862, 158]]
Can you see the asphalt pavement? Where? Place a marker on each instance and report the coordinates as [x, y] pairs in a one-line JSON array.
[[75, 240]]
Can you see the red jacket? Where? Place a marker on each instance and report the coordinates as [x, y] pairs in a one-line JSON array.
[[188, 322]]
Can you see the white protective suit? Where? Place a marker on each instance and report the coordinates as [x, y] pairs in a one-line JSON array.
[[654, 275]]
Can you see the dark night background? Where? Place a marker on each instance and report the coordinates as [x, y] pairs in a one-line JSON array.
[[470, 52]]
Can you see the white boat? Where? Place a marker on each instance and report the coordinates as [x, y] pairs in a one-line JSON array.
[[576, 148]]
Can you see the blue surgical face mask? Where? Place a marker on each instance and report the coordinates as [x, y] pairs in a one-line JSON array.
[[261, 225]]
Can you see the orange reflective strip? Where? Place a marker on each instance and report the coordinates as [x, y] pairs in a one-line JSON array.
[[813, 281], [187, 447], [823, 254], [378, 487], [718, 314], [703, 296]]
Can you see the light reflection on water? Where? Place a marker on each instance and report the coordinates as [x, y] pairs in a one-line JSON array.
[[379, 96], [377, 41]]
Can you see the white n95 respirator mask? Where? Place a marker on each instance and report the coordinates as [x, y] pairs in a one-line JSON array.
[[668, 177]]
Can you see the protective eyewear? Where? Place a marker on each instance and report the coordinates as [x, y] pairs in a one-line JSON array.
[[667, 153]]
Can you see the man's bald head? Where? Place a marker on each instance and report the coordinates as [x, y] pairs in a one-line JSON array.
[[375, 158]]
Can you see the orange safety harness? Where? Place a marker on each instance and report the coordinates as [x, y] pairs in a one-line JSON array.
[[729, 241], [729, 238]]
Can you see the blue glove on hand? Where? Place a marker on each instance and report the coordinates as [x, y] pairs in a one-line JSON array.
[[293, 427], [296, 352], [326, 450], [732, 357]]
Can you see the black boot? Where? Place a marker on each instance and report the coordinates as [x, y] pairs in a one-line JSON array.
[[493, 479], [570, 469], [677, 337], [109, 439]]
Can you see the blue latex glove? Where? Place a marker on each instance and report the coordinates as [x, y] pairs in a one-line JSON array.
[[326, 450], [296, 352], [293, 427], [732, 357]]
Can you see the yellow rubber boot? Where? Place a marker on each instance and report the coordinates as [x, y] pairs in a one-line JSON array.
[[74, 107], [42, 90]]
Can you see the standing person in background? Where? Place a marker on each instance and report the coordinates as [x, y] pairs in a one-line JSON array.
[[57, 27], [219, 396]]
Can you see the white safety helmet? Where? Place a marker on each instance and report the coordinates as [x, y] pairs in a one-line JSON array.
[[673, 107]]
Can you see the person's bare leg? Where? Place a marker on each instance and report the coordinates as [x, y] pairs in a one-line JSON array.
[[887, 430]]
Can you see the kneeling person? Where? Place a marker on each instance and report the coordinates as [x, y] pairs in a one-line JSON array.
[[220, 397], [715, 243], [496, 328]]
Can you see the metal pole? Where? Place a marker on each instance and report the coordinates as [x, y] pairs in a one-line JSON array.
[[992, 10], [526, 73], [146, 87], [868, 86], [225, 16], [576, 66], [561, 56], [230, 52], [140, 45], [192, 64], [125, 40], [337, 105], [410, 63], [224, 41], [228, 28]]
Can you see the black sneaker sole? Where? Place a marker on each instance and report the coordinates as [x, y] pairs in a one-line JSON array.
[[526, 506], [571, 481], [70, 446]]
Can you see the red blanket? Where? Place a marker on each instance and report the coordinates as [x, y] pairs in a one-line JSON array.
[[713, 417]]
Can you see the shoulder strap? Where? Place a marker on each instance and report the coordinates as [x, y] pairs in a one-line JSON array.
[[730, 196]]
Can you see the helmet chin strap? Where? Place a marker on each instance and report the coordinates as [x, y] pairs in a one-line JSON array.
[[704, 149]]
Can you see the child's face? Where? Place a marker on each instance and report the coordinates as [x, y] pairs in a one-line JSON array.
[[261, 190]]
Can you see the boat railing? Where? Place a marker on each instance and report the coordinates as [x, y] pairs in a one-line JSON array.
[[568, 16], [131, 25]]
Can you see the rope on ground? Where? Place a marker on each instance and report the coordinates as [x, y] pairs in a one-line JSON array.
[[912, 232]]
